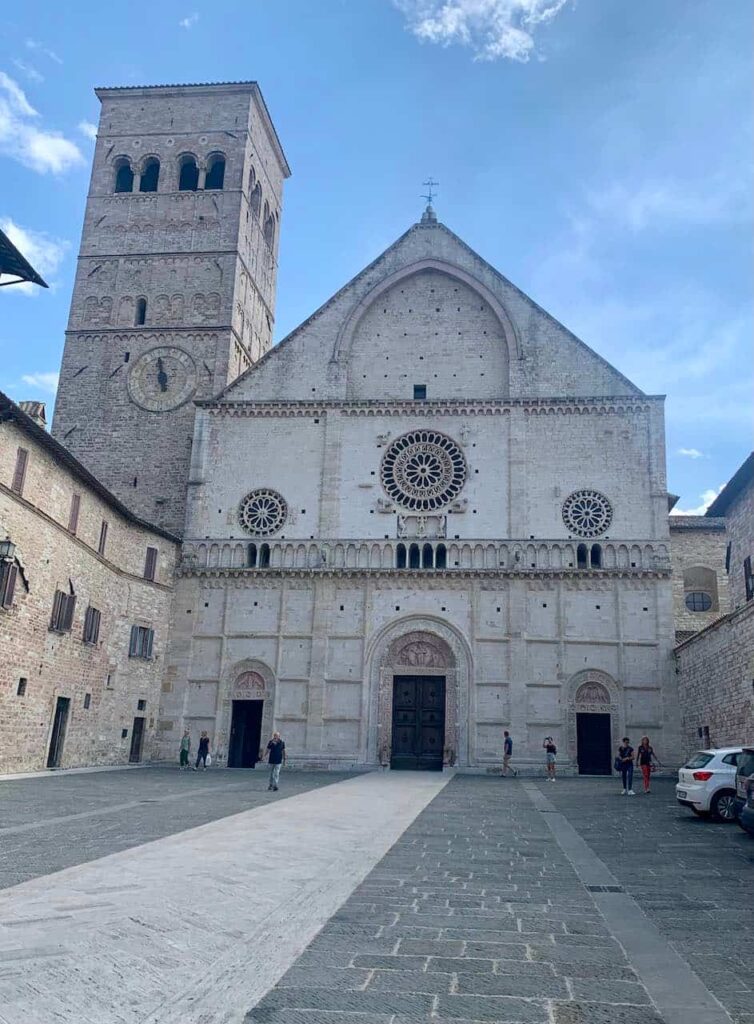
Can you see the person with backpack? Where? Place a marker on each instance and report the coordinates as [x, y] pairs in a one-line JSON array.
[[645, 755], [624, 763], [508, 754], [550, 754]]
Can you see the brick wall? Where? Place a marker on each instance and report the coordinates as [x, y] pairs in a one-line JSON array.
[[57, 665]]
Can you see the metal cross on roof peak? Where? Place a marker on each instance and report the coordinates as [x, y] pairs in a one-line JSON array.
[[430, 184]]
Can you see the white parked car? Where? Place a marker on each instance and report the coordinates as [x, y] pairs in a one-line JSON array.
[[707, 783]]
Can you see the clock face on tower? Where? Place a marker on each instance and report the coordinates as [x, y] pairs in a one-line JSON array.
[[162, 379]]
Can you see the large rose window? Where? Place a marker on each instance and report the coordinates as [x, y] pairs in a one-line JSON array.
[[263, 512], [587, 513], [423, 471]]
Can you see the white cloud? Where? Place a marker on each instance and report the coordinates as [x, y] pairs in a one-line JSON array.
[[189, 21], [27, 69], [691, 453], [88, 129], [33, 44], [43, 381], [491, 28], [720, 199], [41, 250], [707, 498], [22, 139]]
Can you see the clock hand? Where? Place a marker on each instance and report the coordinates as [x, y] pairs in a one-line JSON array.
[[162, 377]]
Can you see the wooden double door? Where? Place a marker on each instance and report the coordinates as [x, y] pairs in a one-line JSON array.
[[418, 723]]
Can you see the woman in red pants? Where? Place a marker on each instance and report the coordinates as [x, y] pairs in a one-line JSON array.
[[645, 755]]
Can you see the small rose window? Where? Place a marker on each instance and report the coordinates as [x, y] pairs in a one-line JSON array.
[[587, 513], [263, 512]]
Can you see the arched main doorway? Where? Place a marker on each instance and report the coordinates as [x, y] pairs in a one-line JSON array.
[[593, 721], [250, 709]]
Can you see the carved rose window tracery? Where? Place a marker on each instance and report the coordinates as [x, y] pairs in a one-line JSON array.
[[423, 470], [263, 512], [587, 513]]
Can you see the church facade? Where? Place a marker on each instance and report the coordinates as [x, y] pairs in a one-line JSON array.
[[430, 514]]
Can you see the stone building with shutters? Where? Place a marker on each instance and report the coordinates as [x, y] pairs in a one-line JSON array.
[[85, 592], [455, 522]]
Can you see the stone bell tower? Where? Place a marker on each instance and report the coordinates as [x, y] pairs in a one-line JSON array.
[[175, 286]]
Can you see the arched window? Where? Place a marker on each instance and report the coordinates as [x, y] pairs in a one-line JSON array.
[[256, 199], [414, 557], [400, 556], [581, 556], [188, 174], [215, 171], [264, 556], [252, 181], [700, 589], [427, 557], [150, 175], [441, 557], [251, 556], [596, 556], [140, 317], [269, 231], [124, 176]]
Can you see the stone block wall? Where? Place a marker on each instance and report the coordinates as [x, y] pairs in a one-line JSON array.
[[103, 683], [697, 542], [739, 521]]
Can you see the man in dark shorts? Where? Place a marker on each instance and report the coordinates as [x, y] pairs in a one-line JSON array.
[[275, 759], [508, 754]]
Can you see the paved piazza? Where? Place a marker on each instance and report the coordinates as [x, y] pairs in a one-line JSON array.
[[149, 896]]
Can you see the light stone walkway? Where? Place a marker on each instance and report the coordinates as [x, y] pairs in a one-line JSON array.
[[195, 928]]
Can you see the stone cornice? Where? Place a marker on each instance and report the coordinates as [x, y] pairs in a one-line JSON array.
[[446, 407], [576, 579]]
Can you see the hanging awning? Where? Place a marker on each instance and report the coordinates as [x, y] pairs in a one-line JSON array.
[[13, 267]]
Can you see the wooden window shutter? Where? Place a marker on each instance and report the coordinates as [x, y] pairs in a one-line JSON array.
[[8, 583], [73, 518], [68, 609], [149, 641], [748, 578], [57, 605], [19, 473], [134, 642], [150, 565], [102, 537]]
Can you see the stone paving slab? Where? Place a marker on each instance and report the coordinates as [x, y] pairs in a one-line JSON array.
[[195, 927]]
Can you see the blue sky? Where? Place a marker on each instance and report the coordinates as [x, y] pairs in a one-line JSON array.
[[598, 153]]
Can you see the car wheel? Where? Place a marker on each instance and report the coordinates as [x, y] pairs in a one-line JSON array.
[[700, 814], [724, 806]]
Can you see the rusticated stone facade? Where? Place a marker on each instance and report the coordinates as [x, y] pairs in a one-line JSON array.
[[175, 286], [103, 690], [698, 546]]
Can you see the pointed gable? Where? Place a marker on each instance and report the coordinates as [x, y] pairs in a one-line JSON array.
[[429, 312]]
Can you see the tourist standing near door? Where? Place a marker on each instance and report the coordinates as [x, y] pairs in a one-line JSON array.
[[550, 754], [508, 754], [185, 749], [625, 760], [202, 753], [276, 758], [645, 755]]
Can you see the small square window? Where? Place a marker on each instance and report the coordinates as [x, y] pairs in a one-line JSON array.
[[87, 700], [420, 391], [21, 688], [109, 681], [123, 733], [141, 705]]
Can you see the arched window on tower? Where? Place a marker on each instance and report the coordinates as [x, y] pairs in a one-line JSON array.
[[252, 181], [150, 175], [581, 556], [124, 175], [188, 173], [215, 172], [269, 231], [140, 316], [256, 200]]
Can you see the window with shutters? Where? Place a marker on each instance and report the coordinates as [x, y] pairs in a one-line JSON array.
[[63, 607], [19, 473], [91, 625], [748, 578], [102, 538], [150, 565], [73, 515], [8, 573], [141, 642]]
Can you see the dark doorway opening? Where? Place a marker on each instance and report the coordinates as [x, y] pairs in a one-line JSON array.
[[245, 733], [418, 723], [59, 726], [593, 744], [137, 739]]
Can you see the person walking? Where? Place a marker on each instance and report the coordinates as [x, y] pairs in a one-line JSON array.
[[185, 750], [645, 755], [625, 759], [276, 759], [203, 752], [550, 754], [508, 754]]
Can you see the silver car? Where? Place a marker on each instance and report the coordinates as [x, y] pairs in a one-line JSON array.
[[707, 783]]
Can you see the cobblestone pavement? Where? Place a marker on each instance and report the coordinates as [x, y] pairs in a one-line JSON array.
[[478, 914], [54, 822]]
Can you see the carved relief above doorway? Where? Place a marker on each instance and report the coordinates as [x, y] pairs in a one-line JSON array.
[[592, 692]]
